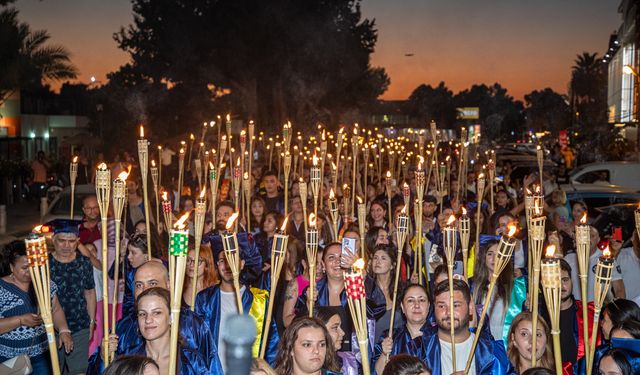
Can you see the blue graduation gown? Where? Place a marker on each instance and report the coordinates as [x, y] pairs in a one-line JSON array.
[[402, 343], [490, 356], [208, 307], [249, 252], [190, 362], [630, 345], [193, 330]]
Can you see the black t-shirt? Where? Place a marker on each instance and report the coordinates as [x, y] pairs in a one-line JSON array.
[[567, 340], [271, 204]]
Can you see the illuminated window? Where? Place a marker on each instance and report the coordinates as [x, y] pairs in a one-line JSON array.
[[626, 100]]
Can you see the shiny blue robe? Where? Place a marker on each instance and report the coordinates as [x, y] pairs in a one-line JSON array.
[[128, 299], [249, 252], [208, 307], [402, 343], [490, 356], [630, 345], [189, 361], [193, 330], [374, 309]]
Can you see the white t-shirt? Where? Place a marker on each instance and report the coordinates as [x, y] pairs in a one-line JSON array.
[[167, 155], [228, 307], [462, 353], [630, 267]]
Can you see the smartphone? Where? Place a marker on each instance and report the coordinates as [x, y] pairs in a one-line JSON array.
[[616, 234], [348, 246]]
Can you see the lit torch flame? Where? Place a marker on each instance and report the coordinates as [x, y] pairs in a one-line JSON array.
[[102, 167], [180, 224], [550, 252], [284, 224], [37, 229], [332, 195], [583, 219], [359, 199], [511, 229], [464, 211], [153, 163], [141, 131], [358, 265], [75, 160], [388, 174], [451, 219], [312, 219], [315, 160], [232, 218], [165, 196], [123, 175], [203, 192], [211, 165]]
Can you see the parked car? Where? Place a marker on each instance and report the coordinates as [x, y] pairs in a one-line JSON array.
[[621, 173], [598, 197], [60, 207]]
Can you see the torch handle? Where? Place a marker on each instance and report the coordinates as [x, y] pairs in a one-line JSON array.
[[116, 273], [487, 301], [592, 345], [175, 331], [194, 280], [105, 289], [236, 284], [395, 293], [73, 193], [452, 331], [585, 317], [534, 309], [267, 322], [557, 352], [312, 288], [53, 347]]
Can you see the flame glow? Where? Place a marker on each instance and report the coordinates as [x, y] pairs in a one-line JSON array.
[[123, 175], [102, 167], [284, 224], [165, 196], [606, 252], [464, 210], [141, 131], [451, 219], [232, 218], [358, 264], [315, 160], [153, 163], [332, 195], [389, 174], [75, 160], [583, 219], [211, 165], [203, 192], [312, 219], [180, 224], [511, 229], [359, 199], [37, 229], [550, 252]]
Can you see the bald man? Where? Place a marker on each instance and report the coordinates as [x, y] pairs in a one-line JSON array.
[[193, 329]]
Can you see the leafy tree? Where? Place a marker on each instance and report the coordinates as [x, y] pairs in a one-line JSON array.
[[433, 103], [26, 60], [547, 110], [272, 60]]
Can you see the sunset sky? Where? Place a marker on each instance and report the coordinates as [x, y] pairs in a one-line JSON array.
[[523, 45]]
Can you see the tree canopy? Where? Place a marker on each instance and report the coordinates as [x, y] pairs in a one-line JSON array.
[[304, 60]]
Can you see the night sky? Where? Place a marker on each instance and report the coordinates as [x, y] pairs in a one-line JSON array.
[[524, 45]]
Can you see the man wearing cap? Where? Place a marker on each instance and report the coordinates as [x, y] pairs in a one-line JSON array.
[[218, 302], [72, 272]]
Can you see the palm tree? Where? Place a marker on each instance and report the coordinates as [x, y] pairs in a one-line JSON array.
[[26, 59], [585, 78]]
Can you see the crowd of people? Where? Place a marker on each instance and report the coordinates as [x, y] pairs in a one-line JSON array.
[[325, 342]]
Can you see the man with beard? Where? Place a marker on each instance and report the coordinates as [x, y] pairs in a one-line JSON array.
[[489, 358], [216, 303], [570, 318], [193, 329]]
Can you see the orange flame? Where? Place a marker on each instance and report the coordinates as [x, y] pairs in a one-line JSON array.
[[153, 163], [203, 192], [245, 175], [606, 252], [451, 219], [211, 165], [284, 224], [141, 131], [315, 160], [312, 219], [332, 195], [388, 174], [550, 252], [75, 160], [359, 199], [192, 137], [123, 175], [358, 265], [180, 224], [583, 219], [37, 229], [511, 229], [464, 210], [165, 196], [232, 218], [102, 167], [333, 166]]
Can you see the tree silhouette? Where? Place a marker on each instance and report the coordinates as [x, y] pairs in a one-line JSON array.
[[433, 103], [26, 60], [547, 110]]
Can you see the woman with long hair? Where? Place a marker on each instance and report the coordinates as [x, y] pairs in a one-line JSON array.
[[268, 226], [132, 365], [501, 298], [257, 213], [332, 318], [379, 286], [137, 255], [375, 236], [520, 341], [307, 349], [406, 338], [325, 234], [377, 215], [207, 275]]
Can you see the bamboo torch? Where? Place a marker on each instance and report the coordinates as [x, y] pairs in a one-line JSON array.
[[492, 175], [464, 225], [302, 186], [237, 174], [323, 158], [551, 287], [180, 171], [583, 245], [540, 157], [246, 187], [201, 210], [197, 163], [333, 210], [232, 253], [103, 190], [143, 158], [449, 240], [119, 198], [604, 267], [213, 187], [314, 179], [154, 179], [167, 211], [420, 181], [387, 181], [287, 170], [637, 216], [38, 259], [505, 250], [480, 192], [73, 174], [192, 139], [357, 300], [178, 248], [159, 166], [402, 225], [354, 155], [537, 224], [362, 217], [312, 253], [278, 256]]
